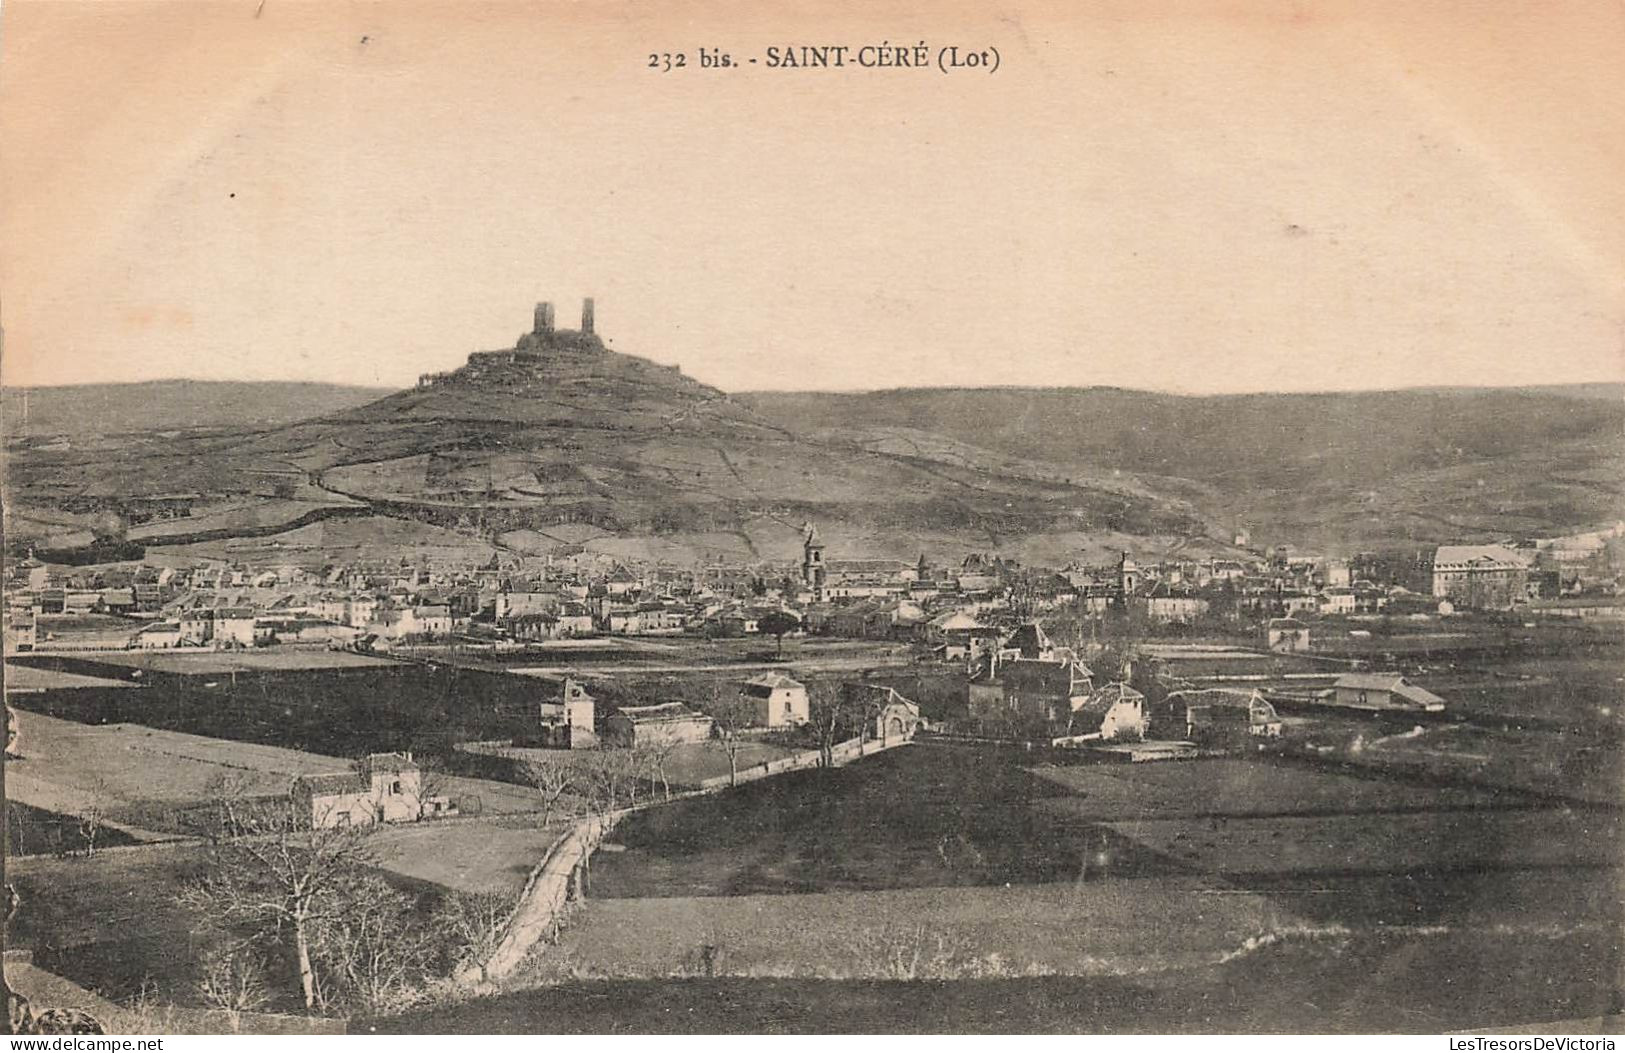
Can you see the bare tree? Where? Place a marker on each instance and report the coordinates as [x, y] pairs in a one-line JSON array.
[[372, 954], [233, 981], [827, 715], [730, 716], [657, 754], [90, 827], [276, 870], [605, 777], [474, 922], [434, 781], [92, 817], [554, 778]]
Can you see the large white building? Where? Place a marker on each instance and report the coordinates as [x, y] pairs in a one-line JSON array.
[[1491, 576]]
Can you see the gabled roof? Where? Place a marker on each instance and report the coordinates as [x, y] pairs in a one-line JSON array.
[[878, 695], [1498, 555], [1393, 683], [1030, 639], [767, 683], [1200, 704], [1109, 695], [391, 762], [664, 713], [1060, 677], [1370, 681], [332, 784]]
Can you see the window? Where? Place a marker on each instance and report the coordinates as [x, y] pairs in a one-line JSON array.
[[395, 787]]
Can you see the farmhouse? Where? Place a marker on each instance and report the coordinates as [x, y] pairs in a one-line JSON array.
[[384, 788], [1227, 718], [1115, 712], [1043, 689], [159, 634], [566, 715], [1383, 691], [21, 631], [775, 700], [632, 726], [235, 626]]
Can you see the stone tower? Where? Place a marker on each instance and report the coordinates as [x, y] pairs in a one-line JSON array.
[[544, 319], [586, 315], [812, 560], [1128, 576]]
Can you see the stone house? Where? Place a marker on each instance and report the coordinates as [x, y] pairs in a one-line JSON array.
[[383, 788], [1046, 689], [775, 700]]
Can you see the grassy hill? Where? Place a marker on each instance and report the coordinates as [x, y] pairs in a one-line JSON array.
[[605, 450]]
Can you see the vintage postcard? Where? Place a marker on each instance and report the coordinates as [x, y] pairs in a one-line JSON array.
[[581, 516]]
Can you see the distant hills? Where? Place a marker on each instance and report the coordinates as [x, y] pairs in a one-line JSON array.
[[110, 409], [563, 448], [1355, 469]]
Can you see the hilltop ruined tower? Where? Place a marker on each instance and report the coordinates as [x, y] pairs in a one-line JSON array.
[[544, 348]]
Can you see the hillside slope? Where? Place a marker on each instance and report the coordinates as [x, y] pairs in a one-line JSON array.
[[1343, 470], [605, 450], [563, 444]]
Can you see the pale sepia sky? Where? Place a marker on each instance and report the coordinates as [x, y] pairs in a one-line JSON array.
[[1181, 196]]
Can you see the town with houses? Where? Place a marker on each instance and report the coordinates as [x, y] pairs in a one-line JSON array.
[[979, 622], [487, 777]]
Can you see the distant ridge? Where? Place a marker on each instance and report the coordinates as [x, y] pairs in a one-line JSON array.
[[1606, 390], [162, 405], [557, 443]]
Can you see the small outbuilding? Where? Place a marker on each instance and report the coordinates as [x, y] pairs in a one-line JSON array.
[[1383, 691], [668, 722]]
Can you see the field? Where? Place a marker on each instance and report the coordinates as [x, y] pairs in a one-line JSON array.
[[1232, 788], [688, 765], [349, 710], [1115, 928], [34, 831], [201, 663], [27, 680], [266, 515], [111, 922], [343, 540], [493, 855], [1367, 984], [146, 777], [1160, 888], [1586, 768]]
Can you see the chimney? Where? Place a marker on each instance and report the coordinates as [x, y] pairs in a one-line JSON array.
[[586, 315], [544, 318]]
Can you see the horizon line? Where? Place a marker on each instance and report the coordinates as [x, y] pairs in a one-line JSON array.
[[911, 388]]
